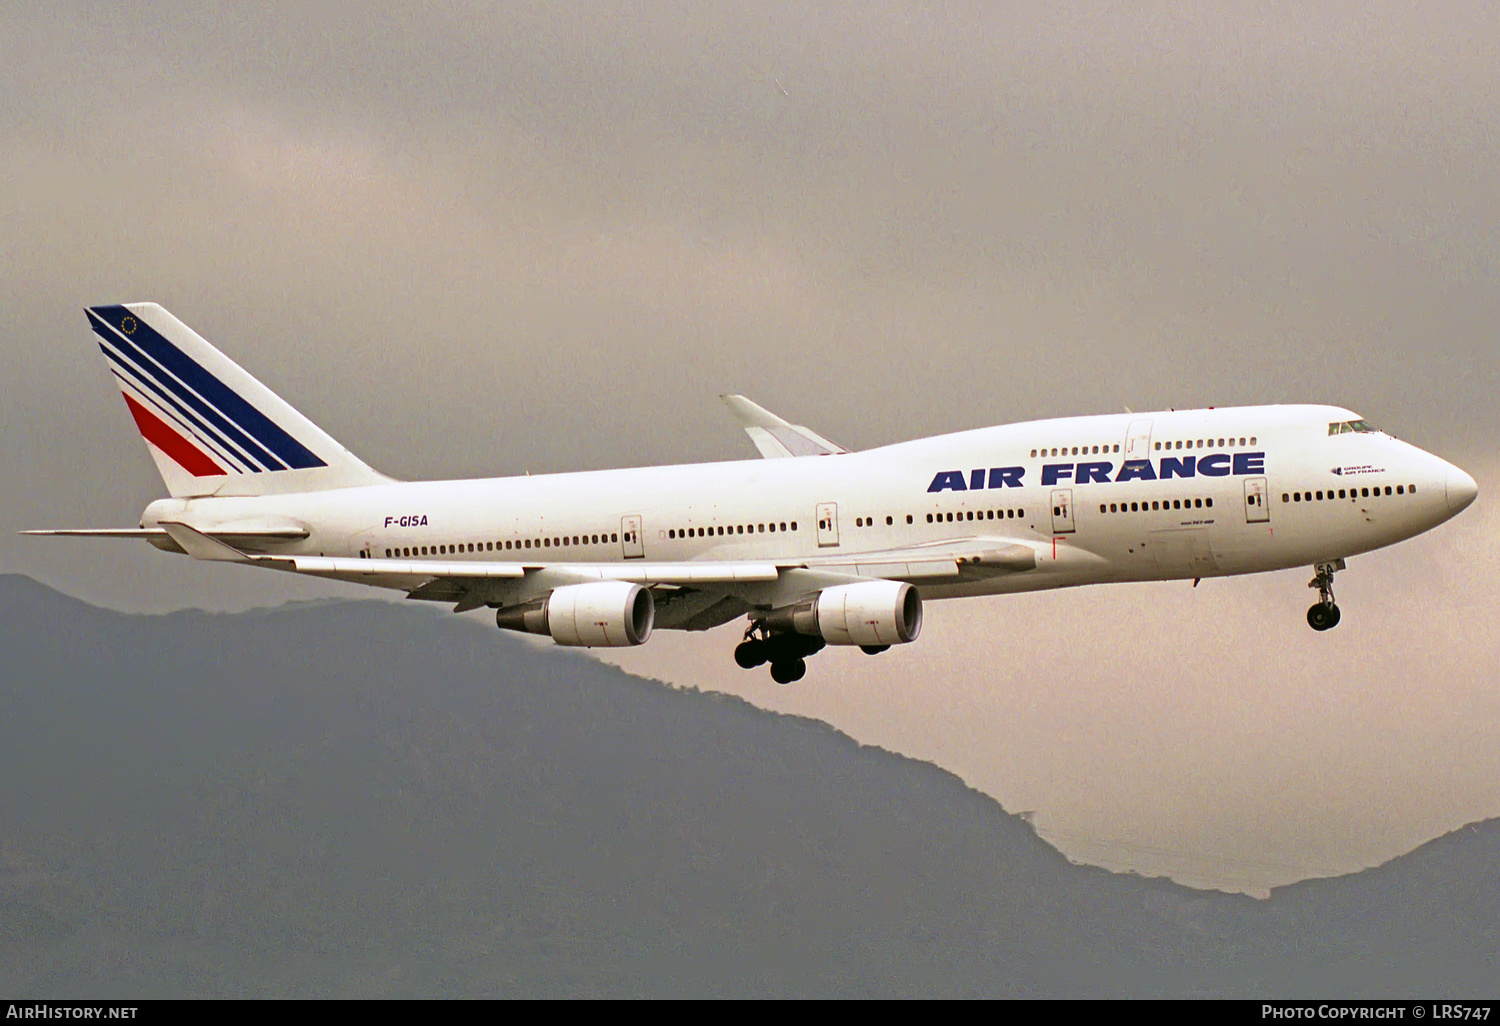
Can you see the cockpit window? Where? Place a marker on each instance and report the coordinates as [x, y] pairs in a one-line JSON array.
[[1350, 426]]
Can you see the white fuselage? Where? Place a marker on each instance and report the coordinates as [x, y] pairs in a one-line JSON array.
[[1128, 497]]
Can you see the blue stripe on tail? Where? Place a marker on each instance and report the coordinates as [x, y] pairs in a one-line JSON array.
[[247, 418]]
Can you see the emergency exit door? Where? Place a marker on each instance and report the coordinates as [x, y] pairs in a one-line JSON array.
[[1062, 511], [1257, 510], [828, 523], [632, 544]]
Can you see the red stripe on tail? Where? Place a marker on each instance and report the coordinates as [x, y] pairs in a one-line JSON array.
[[182, 452]]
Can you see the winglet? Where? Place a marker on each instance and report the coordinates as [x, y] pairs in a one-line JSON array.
[[774, 437], [200, 546]]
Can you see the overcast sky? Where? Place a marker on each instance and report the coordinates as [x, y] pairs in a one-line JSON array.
[[479, 240]]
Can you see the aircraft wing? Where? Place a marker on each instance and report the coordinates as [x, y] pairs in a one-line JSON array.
[[774, 437], [474, 583]]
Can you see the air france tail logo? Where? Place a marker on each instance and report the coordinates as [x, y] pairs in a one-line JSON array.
[[1219, 464], [187, 412]]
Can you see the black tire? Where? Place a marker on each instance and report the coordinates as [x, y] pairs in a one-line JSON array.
[[1321, 617], [786, 671], [1334, 612], [750, 654], [873, 649]]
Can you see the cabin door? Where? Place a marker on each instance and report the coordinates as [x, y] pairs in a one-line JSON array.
[[1062, 511], [1257, 510], [828, 524], [632, 543]]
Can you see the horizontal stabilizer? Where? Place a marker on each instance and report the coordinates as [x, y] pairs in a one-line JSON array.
[[774, 437]]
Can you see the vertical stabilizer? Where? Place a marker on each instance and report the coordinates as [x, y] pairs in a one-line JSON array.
[[211, 427]]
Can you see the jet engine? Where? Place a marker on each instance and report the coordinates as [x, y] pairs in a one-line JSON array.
[[873, 614], [602, 614]]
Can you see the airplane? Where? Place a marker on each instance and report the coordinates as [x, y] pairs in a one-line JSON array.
[[812, 545]]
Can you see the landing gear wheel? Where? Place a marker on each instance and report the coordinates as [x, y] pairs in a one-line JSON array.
[[1322, 618], [750, 654], [873, 649], [1325, 614], [784, 672]]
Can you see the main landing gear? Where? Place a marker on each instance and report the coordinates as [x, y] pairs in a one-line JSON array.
[[1324, 614], [787, 652]]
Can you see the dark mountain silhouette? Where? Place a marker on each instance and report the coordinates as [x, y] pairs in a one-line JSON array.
[[363, 799]]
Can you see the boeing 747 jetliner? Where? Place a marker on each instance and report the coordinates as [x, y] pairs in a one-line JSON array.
[[812, 545]]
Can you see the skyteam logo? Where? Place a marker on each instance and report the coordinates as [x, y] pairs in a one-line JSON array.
[[202, 424], [1219, 464]]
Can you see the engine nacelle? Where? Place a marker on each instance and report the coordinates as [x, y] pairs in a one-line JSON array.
[[872, 613], [602, 614]]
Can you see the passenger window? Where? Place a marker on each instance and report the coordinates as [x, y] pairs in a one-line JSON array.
[[908, 518], [1010, 514], [1158, 445], [1208, 502], [929, 518], [794, 525], [1198, 503], [1134, 508], [1400, 490], [1176, 503], [1252, 439], [1387, 489], [1033, 454], [1112, 508], [1411, 489], [1101, 507], [614, 537], [1117, 448]]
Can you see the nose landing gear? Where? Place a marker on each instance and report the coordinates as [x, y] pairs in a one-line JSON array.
[[1324, 614]]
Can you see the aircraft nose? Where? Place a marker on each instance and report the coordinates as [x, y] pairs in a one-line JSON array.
[[1461, 490]]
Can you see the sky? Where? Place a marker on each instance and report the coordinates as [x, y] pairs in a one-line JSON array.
[[493, 239]]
